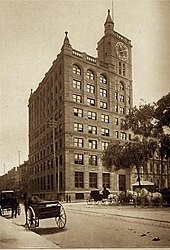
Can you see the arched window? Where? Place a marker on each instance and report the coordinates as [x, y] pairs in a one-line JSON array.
[[103, 79], [121, 86], [90, 75], [76, 70]]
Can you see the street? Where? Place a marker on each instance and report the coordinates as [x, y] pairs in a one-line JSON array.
[[90, 226]]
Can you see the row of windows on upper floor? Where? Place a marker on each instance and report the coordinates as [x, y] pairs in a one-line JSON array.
[[102, 92], [78, 159], [48, 90], [78, 127], [90, 88], [90, 74], [102, 104], [78, 112], [41, 104]]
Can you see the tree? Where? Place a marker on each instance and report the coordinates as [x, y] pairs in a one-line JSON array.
[[129, 154], [164, 150], [162, 111], [141, 121]]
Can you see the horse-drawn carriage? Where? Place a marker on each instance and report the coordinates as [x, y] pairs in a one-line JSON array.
[[7, 199], [101, 197], [43, 210]]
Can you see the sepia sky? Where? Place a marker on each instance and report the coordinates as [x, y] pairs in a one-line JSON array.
[[32, 34]]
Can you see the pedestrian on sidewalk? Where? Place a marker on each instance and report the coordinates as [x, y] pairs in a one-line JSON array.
[[14, 205], [27, 198]]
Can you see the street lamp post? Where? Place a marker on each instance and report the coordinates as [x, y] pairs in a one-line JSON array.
[[53, 124]]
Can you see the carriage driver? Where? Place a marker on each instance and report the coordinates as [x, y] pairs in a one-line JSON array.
[[105, 192]]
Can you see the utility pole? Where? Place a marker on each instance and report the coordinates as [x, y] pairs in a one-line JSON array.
[[4, 168], [19, 158], [53, 124]]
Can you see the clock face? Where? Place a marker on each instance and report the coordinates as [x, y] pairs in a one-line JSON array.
[[122, 51]]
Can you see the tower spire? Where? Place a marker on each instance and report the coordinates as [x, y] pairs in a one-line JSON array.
[[109, 24]]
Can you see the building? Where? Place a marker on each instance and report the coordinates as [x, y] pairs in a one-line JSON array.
[[74, 113]]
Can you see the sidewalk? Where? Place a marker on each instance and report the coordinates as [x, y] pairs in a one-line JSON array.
[[14, 236]]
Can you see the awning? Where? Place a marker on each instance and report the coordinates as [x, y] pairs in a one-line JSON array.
[[143, 183]]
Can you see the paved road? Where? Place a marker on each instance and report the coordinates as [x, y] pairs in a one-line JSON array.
[[107, 226]]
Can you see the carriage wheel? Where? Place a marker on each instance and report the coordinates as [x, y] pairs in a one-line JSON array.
[[90, 201], [61, 219], [32, 220]]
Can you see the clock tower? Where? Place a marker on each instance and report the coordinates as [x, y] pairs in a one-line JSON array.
[[115, 49]]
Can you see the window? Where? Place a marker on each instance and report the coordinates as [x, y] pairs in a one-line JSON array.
[[117, 134], [103, 105], [90, 75], [77, 98], [93, 180], [76, 70], [60, 113], [104, 145], [78, 127], [91, 101], [93, 144], [78, 112], [103, 79], [92, 129], [129, 100], [121, 98], [78, 142], [106, 180], [60, 143], [90, 88], [79, 179], [105, 118], [93, 160], [76, 84], [123, 136], [120, 68], [60, 128], [103, 92], [60, 160], [122, 110], [92, 115], [79, 159], [121, 86], [116, 96], [116, 121], [122, 182], [105, 131], [124, 69], [116, 108]]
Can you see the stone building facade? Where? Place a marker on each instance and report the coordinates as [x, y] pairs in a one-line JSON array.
[[74, 113]]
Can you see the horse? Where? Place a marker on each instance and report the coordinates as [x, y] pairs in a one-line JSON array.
[[113, 199], [151, 198], [132, 197]]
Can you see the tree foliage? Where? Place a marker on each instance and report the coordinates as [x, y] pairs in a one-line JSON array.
[[140, 120], [128, 154], [146, 121], [164, 149], [162, 111]]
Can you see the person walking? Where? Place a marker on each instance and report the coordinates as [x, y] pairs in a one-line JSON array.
[[14, 205], [26, 198]]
